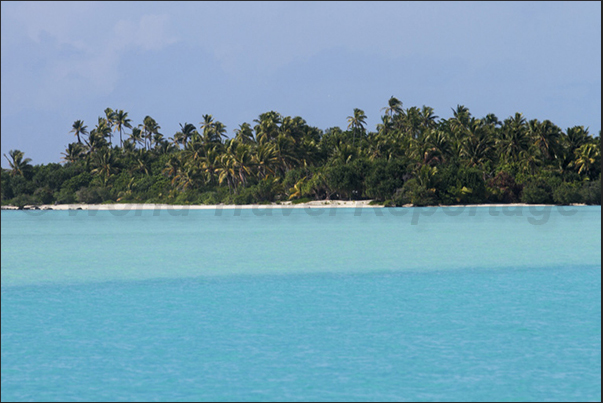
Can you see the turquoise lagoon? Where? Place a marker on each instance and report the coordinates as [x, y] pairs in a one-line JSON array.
[[428, 304]]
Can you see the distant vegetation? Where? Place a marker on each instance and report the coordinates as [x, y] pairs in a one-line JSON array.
[[412, 157]]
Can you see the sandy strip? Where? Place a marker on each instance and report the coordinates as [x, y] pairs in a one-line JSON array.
[[149, 206], [312, 204]]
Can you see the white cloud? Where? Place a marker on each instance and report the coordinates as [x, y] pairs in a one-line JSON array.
[[73, 50], [149, 33]]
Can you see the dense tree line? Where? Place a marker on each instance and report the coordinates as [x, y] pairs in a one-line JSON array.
[[412, 157]]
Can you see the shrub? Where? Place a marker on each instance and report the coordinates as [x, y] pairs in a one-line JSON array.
[[567, 193], [93, 195], [302, 200], [245, 196], [591, 192], [20, 185], [77, 182], [24, 200], [536, 192], [186, 197], [7, 190], [504, 189], [414, 193], [44, 194], [384, 179], [64, 196], [539, 190], [209, 198]]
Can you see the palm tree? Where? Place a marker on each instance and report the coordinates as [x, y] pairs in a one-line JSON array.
[[164, 147], [104, 164], [78, 128], [120, 120], [394, 107], [428, 118], [206, 127], [18, 164], [73, 152], [193, 151], [186, 177], [265, 159], [149, 128], [140, 162], [129, 147], [210, 163], [244, 134], [575, 138], [110, 119], [285, 152], [530, 160], [587, 157], [102, 129], [226, 171], [412, 122], [343, 154], [460, 119], [172, 166], [385, 126], [491, 119], [219, 131], [439, 149], [187, 131], [477, 146], [549, 138], [95, 142], [298, 189], [515, 137], [356, 122], [267, 128], [136, 136], [241, 161], [157, 140]]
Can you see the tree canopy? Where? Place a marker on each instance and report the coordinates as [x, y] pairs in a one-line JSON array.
[[412, 157]]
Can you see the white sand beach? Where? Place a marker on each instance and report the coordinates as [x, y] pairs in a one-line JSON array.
[[287, 204], [152, 206]]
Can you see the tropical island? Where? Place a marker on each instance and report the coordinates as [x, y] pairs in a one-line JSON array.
[[412, 158]]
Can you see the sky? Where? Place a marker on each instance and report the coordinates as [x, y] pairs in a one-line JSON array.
[[176, 61]]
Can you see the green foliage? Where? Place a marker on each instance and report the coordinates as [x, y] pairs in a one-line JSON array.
[[94, 195], [265, 190], [591, 192], [469, 186], [384, 179], [52, 175], [539, 190], [77, 182], [245, 197], [416, 193], [25, 200], [64, 196], [348, 179], [412, 158], [302, 200], [210, 198], [19, 185], [503, 189], [44, 195], [567, 193], [6, 188]]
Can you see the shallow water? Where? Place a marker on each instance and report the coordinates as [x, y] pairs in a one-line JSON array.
[[412, 304]]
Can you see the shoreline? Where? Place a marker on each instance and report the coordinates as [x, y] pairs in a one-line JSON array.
[[312, 204]]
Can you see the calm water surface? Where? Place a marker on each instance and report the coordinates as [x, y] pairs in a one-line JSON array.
[[401, 304]]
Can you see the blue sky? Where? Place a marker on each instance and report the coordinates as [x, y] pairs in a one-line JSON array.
[[319, 60]]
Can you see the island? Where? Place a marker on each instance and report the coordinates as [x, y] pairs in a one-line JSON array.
[[412, 158]]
